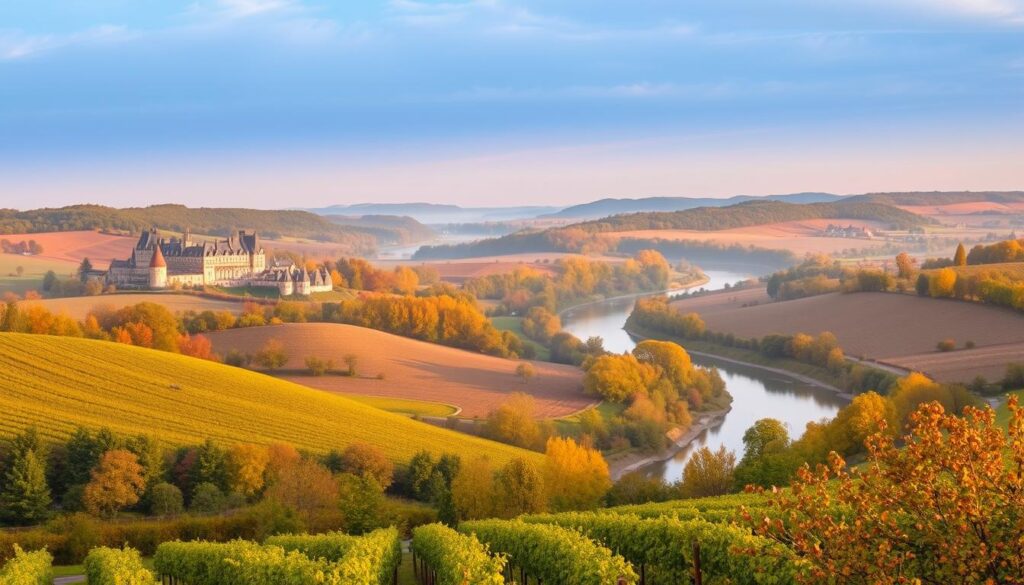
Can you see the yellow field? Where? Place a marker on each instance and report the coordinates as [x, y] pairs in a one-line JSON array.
[[57, 383], [403, 406]]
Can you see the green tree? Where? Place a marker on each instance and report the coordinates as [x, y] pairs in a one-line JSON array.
[[25, 498], [50, 281], [84, 269], [767, 460], [207, 498], [165, 500], [362, 503], [519, 489], [211, 465], [418, 475]]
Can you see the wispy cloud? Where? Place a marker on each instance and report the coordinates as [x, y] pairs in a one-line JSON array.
[[15, 45]]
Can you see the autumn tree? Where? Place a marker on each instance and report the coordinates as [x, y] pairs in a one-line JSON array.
[[708, 473], [960, 257], [905, 265], [514, 421], [246, 467], [576, 477], [473, 490], [525, 371], [364, 459], [116, 483], [197, 346], [272, 355], [306, 487], [519, 489], [541, 324], [942, 506], [942, 283], [617, 377]]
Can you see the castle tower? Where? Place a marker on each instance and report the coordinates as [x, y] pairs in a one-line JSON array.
[[157, 269]]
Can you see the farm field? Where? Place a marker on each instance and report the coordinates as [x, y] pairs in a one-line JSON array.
[[407, 407], [895, 328], [413, 370], [800, 237], [70, 248], [57, 383], [79, 307], [34, 268], [515, 325]]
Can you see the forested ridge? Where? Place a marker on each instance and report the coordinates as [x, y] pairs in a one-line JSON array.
[[753, 213], [201, 220]]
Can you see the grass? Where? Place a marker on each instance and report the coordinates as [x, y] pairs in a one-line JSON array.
[[515, 325], [569, 425], [34, 270], [57, 383], [405, 406]]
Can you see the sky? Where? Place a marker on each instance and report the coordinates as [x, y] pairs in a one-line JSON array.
[[300, 103]]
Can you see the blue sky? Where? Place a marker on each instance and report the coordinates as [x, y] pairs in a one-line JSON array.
[[255, 102]]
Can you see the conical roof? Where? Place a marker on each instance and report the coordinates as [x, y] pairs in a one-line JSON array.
[[158, 258]]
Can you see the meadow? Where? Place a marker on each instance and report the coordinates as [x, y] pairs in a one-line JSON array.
[[57, 383], [391, 366], [79, 307]]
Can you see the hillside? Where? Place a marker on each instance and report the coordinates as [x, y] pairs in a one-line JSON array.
[[211, 221], [941, 197], [437, 213], [754, 213], [609, 207], [899, 329], [388, 229], [59, 382], [79, 307], [412, 369]]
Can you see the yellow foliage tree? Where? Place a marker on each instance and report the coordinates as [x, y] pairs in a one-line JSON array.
[[247, 465], [576, 477], [116, 483], [473, 492], [942, 283]]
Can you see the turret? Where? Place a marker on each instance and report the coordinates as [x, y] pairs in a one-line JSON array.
[[157, 269]]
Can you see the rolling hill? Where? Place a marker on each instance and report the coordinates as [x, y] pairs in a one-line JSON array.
[[609, 207], [57, 383], [411, 369]]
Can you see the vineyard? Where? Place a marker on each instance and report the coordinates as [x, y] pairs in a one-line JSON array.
[[331, 559], [32, 568], [58, 383]]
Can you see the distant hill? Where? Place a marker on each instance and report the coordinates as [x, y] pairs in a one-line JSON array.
[[751, 213], [609, 207], [388, 229], [56, 383], [202, 220], [433, 213], [941, 197]]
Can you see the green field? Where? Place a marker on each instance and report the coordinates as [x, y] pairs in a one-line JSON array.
[[57, 383], [1003, 413], [404, 406], [272, 293], [34, 269], [515, 325]]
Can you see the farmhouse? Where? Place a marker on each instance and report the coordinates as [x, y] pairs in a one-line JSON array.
[[157, 263], [850, 231]]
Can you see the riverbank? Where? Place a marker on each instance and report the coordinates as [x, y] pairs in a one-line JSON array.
[[796, 370], [700, 280], [633, 461]]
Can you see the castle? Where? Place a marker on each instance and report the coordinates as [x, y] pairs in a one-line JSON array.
[[239, 260]]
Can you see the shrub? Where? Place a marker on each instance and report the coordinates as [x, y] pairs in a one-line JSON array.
[[34, 568], [166, 500], [111, 566], [946, 345]]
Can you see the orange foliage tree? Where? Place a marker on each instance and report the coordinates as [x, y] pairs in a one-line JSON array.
[[116, 483], [947, 507]]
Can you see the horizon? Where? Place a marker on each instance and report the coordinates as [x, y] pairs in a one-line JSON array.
[[250, 103]]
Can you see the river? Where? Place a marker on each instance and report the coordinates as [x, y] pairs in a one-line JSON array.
[[756, 393]]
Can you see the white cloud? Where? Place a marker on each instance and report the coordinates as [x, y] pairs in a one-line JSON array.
[[16, 45]]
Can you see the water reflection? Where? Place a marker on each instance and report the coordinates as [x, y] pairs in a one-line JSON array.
[[756, 393]]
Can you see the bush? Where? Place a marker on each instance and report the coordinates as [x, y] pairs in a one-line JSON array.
[[207, 499], [111, 566], [969, 345], [946, 345], [34, 568], [166, 500]]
